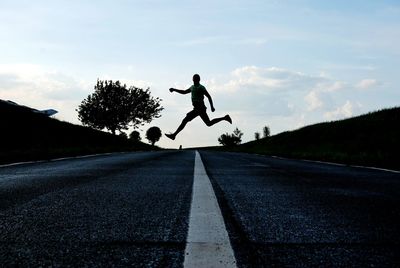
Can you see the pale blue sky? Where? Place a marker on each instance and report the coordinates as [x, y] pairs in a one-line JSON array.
[[284, 64]]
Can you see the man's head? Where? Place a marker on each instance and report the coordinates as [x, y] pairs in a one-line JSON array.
[[196, 79]]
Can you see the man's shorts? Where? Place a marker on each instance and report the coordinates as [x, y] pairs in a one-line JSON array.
[[198, 109]]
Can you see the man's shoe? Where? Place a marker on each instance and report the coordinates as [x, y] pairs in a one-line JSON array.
[[171, 136], [228, 118]]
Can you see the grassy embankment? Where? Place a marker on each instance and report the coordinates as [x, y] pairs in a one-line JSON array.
[[26, 135], [372, 139]]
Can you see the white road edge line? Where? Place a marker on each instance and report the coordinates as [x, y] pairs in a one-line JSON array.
[[56, 159], [337, 164], [207, 242]]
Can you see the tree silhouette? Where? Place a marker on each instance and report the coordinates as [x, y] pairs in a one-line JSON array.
[[114, 107], [231, 139], [257, 135], [135, 136], [153, 134], [266, 132]]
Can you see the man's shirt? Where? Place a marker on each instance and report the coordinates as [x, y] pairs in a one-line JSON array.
[[197, 93]]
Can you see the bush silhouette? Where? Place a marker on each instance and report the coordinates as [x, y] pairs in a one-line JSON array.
[[231, 139], [153, 134], [113, 106], [135, 136]]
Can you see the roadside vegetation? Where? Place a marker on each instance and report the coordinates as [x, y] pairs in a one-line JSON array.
[[372, 139], [230, 140], [27, 135], [153, 134], [115, 107]]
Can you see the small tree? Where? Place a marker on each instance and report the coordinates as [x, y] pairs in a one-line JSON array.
[[231, 139], [113, 106], [153, 134], [266, 132], [135, 136], [257, 135]]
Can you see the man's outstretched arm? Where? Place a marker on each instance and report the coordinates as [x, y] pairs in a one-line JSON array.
[[210, 100], [186, 91]]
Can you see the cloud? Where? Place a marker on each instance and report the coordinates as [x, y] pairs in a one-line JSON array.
[[8, 81], [320, 96], [275, 91], [367, 83], [313, 101], [41, 88], [345, 111], [40, 82], [267, 80]]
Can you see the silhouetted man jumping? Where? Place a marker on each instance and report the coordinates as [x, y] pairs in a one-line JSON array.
[[198, 92]]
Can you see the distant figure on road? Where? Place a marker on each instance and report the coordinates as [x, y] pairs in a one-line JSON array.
[[198, 92]]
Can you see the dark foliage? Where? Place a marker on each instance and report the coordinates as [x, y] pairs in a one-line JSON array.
[[266, 132], [26, 135], [231, 139], [153, 134], [370, 139], [135, 136], [257, 135], [113, 106]]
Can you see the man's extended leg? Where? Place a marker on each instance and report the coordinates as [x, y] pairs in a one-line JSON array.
[[189, 117], [209, 122]]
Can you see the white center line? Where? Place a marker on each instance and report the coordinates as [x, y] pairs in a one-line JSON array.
[[208, 241]]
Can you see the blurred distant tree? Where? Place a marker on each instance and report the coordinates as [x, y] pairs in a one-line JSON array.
[[135, 136], [231, 139], [266, 132], [153, 134], [113, 106], [257, 135]]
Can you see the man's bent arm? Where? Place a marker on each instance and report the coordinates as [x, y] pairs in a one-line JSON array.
[[210, 100], [186, 91]]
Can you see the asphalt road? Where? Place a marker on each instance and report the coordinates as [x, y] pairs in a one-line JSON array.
[[132, 209]]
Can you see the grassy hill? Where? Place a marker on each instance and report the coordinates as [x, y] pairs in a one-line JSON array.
[[371, 139], [28, 135]]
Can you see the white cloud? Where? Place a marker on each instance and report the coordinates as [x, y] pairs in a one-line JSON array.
[[313, 101], [266, 80], [41, 88], [275, 91], [344, 111], [36, 80], [367, 83], [321, 95]]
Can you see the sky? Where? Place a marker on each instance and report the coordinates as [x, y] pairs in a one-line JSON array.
[[281, 64]]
